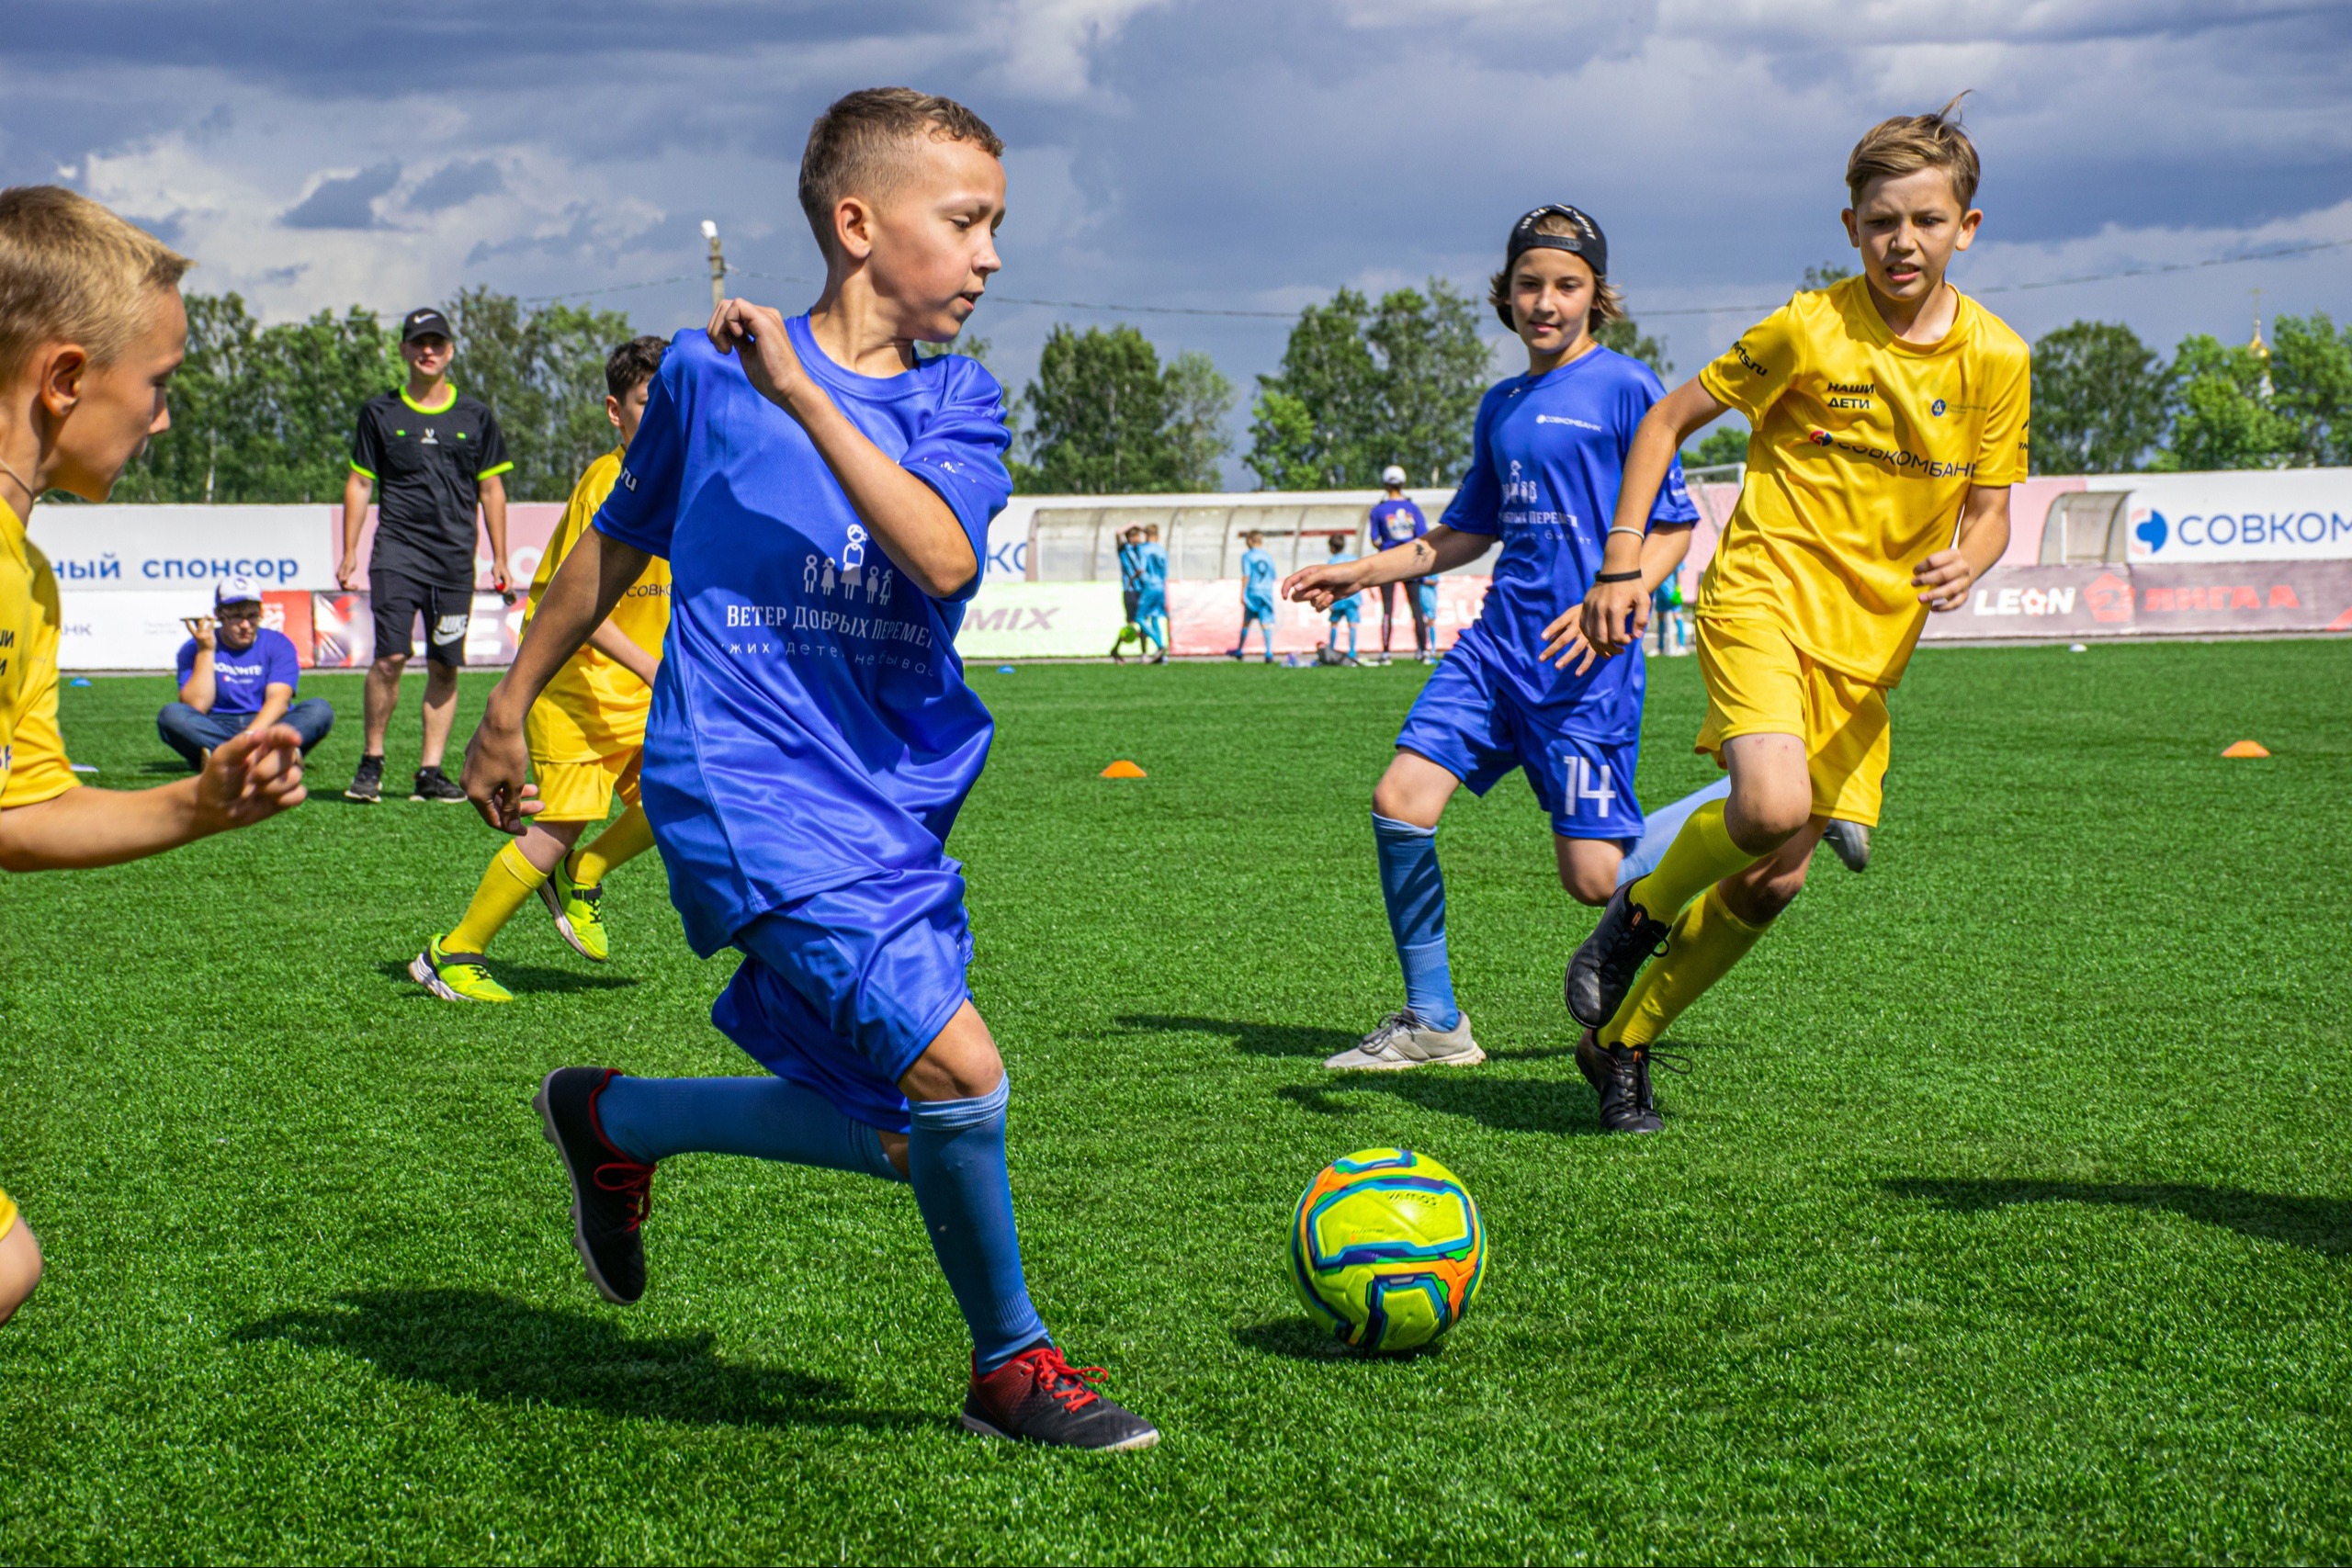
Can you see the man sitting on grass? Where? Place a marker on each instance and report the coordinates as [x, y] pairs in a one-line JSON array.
[[237, 675]]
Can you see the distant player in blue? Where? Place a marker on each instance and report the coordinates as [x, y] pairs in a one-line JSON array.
[[1548, 449], [1348, 607], [1258, 573], [1394, 519], [1131, 585], [823, 496], [1151, 612]]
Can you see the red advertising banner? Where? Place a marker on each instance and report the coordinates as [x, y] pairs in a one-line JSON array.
[[2039, 601], [288, 613], [2219, 599]]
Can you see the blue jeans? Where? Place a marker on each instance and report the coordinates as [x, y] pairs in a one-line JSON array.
[[192, 734]]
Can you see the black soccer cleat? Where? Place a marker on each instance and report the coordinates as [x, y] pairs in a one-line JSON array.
[[611, 1194], [367, 783], [432, 784], [1602, 970], [1620, 1075], [1039, 1398]]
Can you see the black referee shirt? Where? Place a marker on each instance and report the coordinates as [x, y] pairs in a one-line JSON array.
[[428, 465]]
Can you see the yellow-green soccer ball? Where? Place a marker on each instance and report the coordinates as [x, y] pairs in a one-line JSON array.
[[1387, 1249]]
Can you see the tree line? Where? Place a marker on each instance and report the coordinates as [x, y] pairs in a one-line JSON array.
[[263, 413]]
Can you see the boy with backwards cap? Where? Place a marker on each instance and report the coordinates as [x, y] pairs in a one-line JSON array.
[[823, 498], [1396, 520], [1547, 449]]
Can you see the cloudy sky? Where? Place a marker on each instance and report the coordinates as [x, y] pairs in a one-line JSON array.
[[1208, 155]]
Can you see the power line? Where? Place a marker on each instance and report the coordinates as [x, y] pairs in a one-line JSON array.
[[2275, 254]]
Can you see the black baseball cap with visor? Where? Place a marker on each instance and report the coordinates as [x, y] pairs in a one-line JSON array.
[[1588, 242], [427, 322]]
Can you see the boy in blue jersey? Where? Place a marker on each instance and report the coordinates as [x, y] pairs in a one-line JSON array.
[[1394, 519], [1548, 448], [1131, 576], [1258, 574], [823, 498], [1151, 610], [1348, 607]]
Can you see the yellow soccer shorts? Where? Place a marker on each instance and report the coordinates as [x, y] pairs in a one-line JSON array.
[[582, 792], [7, 1213], [1759, 682]]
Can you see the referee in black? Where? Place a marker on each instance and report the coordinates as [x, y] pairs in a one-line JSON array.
[[438, 456]]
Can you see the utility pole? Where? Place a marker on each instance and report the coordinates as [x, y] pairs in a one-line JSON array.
[[718, 265]]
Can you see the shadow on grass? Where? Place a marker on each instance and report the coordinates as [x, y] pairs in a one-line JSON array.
[[523, 979], [1504, 1105], [1256, 1039], [2322, 1225], [1295, 1338], [484, 1345]]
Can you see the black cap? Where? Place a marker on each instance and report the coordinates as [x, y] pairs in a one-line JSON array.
[[1587, 241], [427, 322]]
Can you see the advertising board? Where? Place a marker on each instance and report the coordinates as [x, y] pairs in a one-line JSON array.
[[1012, 619], [2271, 514], [149, 550]]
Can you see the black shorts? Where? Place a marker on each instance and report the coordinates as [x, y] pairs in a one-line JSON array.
[[398, 600], [1133, 599]]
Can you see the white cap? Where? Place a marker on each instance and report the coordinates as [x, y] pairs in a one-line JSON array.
[[235, 591], [1393, 475]]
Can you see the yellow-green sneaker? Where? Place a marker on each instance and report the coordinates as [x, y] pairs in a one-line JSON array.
[[578, 911], [457, 976]]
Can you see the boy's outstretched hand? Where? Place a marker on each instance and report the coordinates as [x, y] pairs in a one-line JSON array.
[[755, 334], [249, 778], [1321, 586], [1944, 579], [498, 763]]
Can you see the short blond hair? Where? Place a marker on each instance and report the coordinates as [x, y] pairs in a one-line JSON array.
[[857, 143], [1910, 142], [1608, 303], [73, 272]]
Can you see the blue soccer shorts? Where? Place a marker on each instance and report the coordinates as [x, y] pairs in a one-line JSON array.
[[842, 990], [1348, 609], [1470, 724]]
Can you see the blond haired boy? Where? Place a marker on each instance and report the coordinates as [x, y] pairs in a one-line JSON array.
[[587, 741], [1889, 416], [91, 328]]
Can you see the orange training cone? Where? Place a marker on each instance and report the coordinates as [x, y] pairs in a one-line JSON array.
[[2247, 748], [1123, 768]]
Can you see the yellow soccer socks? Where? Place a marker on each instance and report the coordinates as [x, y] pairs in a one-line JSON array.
[[507, 884], [1707, 939], [615, 846], [1701, 855]]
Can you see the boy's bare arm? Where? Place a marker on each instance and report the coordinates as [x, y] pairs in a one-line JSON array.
[[1610, 608], [249, 777], [355, 490], [1944, 579], [594, 574], [917, 529], [616, 644], [1440, 549], [493, 524]]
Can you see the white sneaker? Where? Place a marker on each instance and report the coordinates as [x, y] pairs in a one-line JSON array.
[[1850, 840], [1400, 1043]]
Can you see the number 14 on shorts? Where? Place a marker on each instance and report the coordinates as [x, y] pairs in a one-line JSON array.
[[1588, 782]]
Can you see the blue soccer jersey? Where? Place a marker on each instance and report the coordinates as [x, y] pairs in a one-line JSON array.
[[1548, 457], [1132, 567], [1258, 576], [1396, 522], [811, 726]]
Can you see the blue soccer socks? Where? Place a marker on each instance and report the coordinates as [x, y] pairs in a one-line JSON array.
[[956, 1152], [1414, 890], [1659, 827], [765, 1118]]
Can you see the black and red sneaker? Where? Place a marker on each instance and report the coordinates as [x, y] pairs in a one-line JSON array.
[[611, 1194], [1039, 1396]]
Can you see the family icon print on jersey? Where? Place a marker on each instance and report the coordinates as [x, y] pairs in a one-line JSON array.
[[820, 575]]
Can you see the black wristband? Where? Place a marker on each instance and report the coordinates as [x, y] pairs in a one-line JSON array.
[[1634, 576]]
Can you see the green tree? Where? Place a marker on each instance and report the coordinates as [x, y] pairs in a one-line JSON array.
[[2311, 375], [1200, 401], [1099, 415], [1722, 444], [2221, 411], [1361, 387], [543, 374], [1825, 274], [2098, 400], [1626, 335]]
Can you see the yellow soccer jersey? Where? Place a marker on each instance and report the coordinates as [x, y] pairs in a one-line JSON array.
[[594, 707], [1863, 448], [32, 754]]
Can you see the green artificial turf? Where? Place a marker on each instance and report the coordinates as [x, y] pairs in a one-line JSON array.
[[2004, 1214]]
